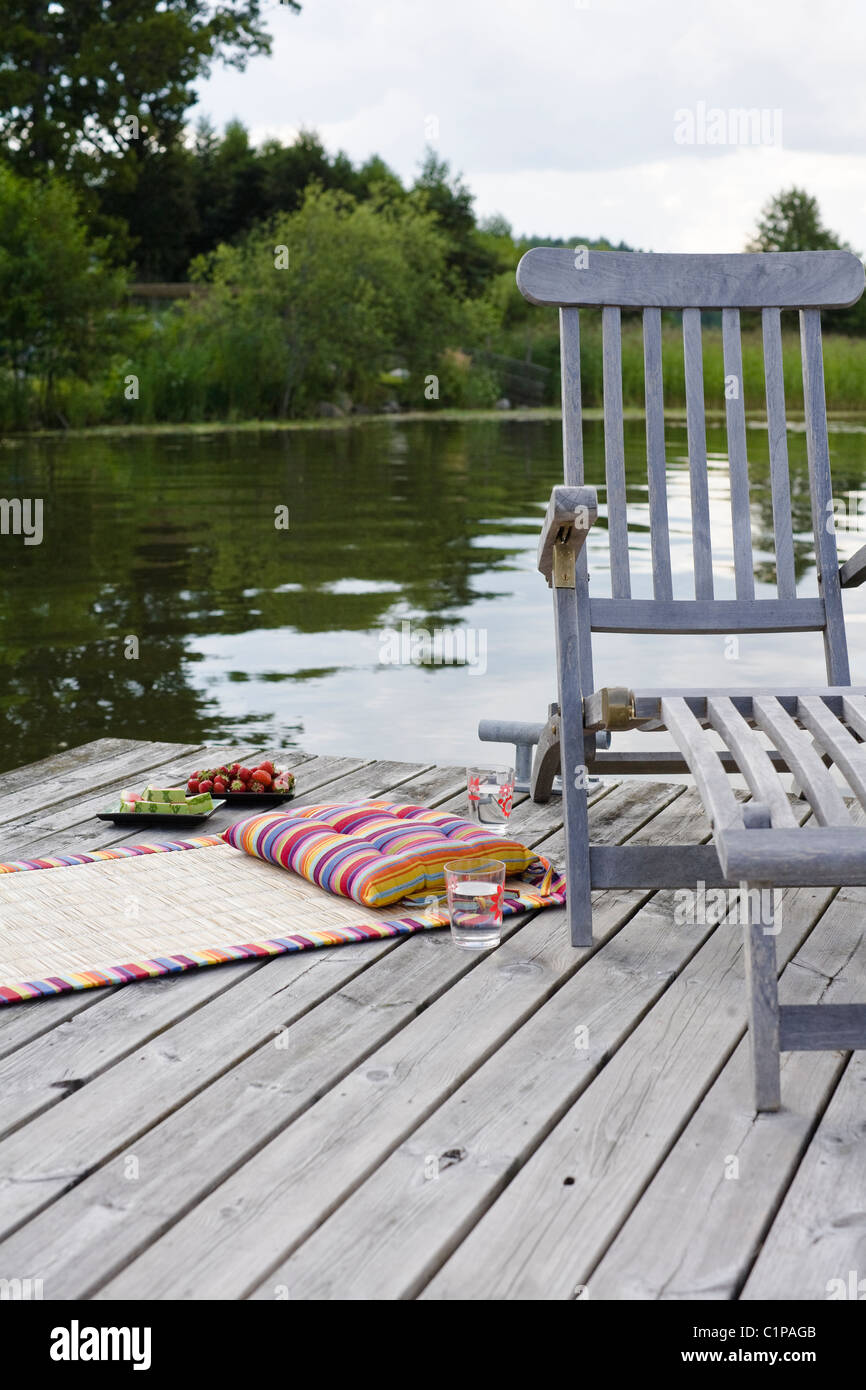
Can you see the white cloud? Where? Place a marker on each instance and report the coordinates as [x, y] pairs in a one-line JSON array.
[[561, 115], [682, 204]]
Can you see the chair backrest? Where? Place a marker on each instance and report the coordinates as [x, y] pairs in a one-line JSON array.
[[769, 282]]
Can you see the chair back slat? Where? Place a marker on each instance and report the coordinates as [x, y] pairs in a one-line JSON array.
[[572, 416], [614, 454], [738, 468], [702, 549], [572, 451], [777, 431], [821, 488], [655, 454]]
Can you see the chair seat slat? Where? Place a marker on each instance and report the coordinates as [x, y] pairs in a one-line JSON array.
[[854, 712], [752, 759], [828, 731], [712, 781], [813, 777]]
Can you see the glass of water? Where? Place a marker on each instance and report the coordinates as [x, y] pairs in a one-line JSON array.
[[475, 890], [490, 791]]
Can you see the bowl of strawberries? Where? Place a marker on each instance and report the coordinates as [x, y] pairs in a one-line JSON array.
[[256, 781]]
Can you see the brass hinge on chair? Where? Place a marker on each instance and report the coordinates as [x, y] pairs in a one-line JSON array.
[[563, 562], [612, 707]]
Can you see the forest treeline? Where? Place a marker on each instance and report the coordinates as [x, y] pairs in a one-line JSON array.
[[319, 285]]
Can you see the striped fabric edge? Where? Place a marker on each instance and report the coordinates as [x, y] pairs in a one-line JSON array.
[[70, 861], [545, 888]]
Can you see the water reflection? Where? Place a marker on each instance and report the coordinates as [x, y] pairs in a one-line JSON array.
[[249, 632]]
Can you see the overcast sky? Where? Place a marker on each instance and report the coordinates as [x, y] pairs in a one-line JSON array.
[[573, 117]]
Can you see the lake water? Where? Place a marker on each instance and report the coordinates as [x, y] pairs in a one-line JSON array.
[[164, 602]]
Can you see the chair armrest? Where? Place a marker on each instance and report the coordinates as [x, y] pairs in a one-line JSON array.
[[570, 513], [853, 572]]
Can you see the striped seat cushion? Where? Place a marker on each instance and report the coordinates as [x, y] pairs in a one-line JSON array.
[[373, 851]]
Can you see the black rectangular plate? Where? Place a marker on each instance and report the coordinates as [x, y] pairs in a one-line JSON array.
[[158, 817]]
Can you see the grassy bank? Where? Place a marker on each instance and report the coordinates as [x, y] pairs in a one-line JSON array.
[[464, 387], [355, 422], [844, 364]]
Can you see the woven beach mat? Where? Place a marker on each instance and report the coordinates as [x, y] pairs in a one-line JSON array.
[[131, 913], [96, 921]]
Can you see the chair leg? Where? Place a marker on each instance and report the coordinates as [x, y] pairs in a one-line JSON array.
[[574, 768], [577, 875], [762, 990]]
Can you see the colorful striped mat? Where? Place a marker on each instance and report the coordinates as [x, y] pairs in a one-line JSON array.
[[37, 924]]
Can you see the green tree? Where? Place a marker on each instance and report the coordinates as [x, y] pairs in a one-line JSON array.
[[148, 209], [316, 303], [75, 77], [58, 293], [448, 198], [228, 187], [98, 90], [288, 170], [791, 221]]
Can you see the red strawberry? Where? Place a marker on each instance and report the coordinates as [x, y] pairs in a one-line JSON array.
[[206, 785], [237, 785], [244, 774], [235, 769], [256, 787], [268, 767], [193, 785], [261, 774], [219, 786]]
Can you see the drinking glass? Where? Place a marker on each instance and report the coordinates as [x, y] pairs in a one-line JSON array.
[[475, 889], [490, 791]]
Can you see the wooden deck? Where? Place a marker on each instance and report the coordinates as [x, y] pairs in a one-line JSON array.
[[404, 1120]]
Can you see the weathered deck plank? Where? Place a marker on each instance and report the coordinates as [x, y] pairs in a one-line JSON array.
[[293, 1183], [396, 1230], [70, 827], [544, 1236], [107, 1220], [126, 1020], [75, 1051], [59, 764], [727, 1173], [819, 1235], [304, 1168], [83, 779]]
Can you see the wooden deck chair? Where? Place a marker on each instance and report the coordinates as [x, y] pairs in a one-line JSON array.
[[761, 843]]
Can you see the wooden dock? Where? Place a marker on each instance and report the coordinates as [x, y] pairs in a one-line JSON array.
[[401, 1119]]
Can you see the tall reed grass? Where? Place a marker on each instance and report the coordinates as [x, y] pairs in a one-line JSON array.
[[188, 378], [844, 365]]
